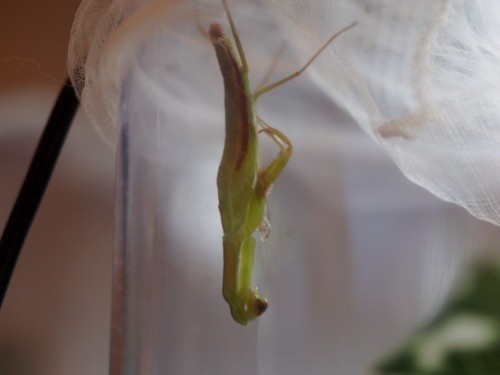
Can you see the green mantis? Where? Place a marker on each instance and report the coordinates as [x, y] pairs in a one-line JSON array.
[[242, 184]]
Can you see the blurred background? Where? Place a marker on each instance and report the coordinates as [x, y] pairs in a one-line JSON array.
[[55, 317]]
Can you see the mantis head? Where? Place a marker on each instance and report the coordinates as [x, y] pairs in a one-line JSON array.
[[253, 307]]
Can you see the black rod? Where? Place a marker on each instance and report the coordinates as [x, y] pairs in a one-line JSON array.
[[35, 183]]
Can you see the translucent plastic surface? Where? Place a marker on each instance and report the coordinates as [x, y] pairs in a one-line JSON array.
[[356, 258]]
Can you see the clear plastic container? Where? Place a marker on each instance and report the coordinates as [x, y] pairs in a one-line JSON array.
[[357, 255]]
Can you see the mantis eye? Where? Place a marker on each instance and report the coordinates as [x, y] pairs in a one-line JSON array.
[[256, 306], [261, 305]]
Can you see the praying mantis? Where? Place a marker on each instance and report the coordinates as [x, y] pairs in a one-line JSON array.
[[242, 184]]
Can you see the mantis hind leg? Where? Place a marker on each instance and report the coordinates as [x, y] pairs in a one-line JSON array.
[[236, 36], [270, 70], [288, 78]]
